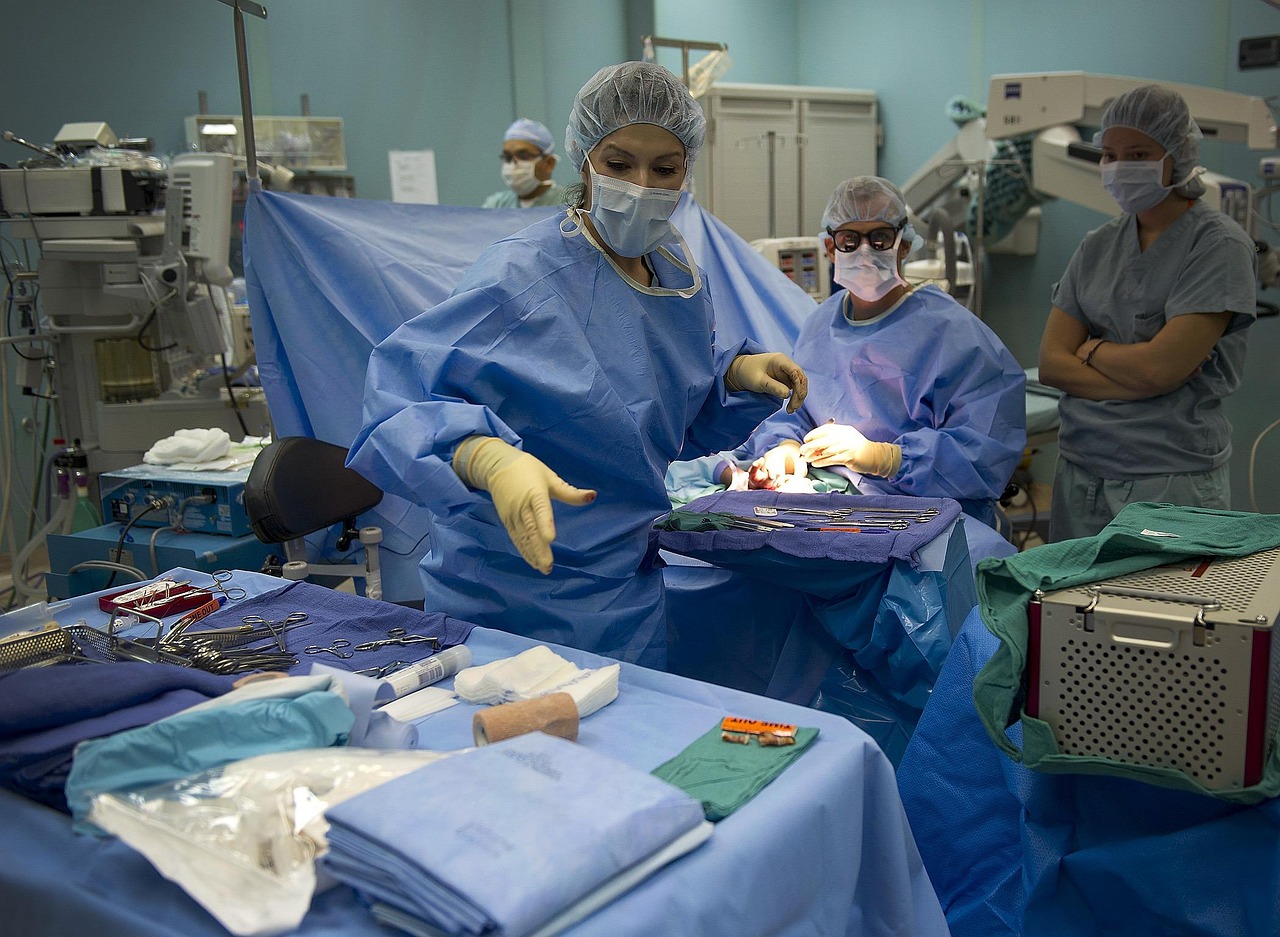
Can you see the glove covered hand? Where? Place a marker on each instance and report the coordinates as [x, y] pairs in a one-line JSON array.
[[774, 374], [841, 444], [522, 488]]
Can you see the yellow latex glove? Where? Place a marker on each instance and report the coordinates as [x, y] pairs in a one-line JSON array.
[[774, 374], [841, 444], [522, 488], [782, 460]]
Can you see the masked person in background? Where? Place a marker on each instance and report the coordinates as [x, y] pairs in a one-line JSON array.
[[573, 363], [908, 390], [528, 157], [1146, 335]]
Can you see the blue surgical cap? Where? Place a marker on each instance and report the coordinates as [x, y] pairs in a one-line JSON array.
[[531, 132], [633, 93], [1163, 115]]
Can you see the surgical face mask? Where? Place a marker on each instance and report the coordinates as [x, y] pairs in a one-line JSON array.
[[1135, 184], [869, 274], [632, 219], [519, 177]]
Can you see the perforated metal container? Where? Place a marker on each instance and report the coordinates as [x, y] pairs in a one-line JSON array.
[[1173, 667], [78, 642]]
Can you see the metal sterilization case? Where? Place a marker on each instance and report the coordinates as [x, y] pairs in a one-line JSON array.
[[1173, 667]]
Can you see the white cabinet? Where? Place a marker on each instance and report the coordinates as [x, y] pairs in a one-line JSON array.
[[775, 153]]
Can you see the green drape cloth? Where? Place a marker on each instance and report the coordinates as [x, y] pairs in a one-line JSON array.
[[725, 775]]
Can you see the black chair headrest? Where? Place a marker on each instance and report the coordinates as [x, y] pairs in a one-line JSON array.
[[300, 485]]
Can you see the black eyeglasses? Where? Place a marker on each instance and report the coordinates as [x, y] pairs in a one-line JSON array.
[[880, 239], [522, 157]]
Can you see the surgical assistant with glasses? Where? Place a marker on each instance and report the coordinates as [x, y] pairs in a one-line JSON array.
[[528, 158], [573, 363], [908, 388], [1146, 335]]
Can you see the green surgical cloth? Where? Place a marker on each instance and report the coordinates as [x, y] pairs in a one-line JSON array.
[[695, 520], [725, 775]]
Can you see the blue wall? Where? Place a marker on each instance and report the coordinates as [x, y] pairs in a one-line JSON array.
[[450, 75], [403, 74]]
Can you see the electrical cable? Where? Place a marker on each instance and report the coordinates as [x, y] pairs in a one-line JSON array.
[[153, 506], [1253, 455], [156, 302], [114, 567], [179, 527], [235, 406], [155, 565]]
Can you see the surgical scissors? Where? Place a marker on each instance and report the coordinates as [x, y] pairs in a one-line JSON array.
[[399, 636], [335, 648]]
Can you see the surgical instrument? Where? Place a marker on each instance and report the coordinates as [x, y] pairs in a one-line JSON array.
[[292, 620], [220, 579], [856, 530], [335, 648], [382, 671], [886, 524], [399, 636], [920, 516]]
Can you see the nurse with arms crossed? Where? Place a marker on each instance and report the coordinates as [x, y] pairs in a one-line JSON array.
[[1146, 336], [573, 363]]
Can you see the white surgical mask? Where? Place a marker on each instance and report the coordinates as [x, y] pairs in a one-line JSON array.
[[1135, 184], [632, 219], [869, 274], [519, 177]]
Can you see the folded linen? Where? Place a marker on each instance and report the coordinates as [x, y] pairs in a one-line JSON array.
[[543, 824]]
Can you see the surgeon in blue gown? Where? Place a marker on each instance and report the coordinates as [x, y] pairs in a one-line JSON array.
[[910, 391], [573, 363]]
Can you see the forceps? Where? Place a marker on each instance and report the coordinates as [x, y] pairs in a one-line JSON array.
[[294, 618], [384, 669], [220, 578], [399, 636], [334, 649]]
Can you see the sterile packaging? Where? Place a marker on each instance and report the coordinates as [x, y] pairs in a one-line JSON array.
[[426, 672], [242, 839]]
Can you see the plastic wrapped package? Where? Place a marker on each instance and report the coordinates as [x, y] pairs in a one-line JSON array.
[[242, 839]]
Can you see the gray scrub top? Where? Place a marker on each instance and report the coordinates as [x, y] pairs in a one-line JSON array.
[[1204, 262]]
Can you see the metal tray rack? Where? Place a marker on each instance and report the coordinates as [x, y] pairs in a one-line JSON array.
[[78, 643], [1176, 667]]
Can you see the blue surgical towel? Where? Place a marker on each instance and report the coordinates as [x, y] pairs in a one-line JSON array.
[[544, 822], [46, 711]]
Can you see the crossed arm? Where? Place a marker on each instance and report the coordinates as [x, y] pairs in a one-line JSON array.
[[1118, 371]]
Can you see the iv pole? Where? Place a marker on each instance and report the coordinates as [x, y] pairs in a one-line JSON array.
[[684, 45], [239, 8]]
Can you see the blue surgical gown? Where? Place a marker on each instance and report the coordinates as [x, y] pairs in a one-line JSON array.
[[545, 345], [929, 376]]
